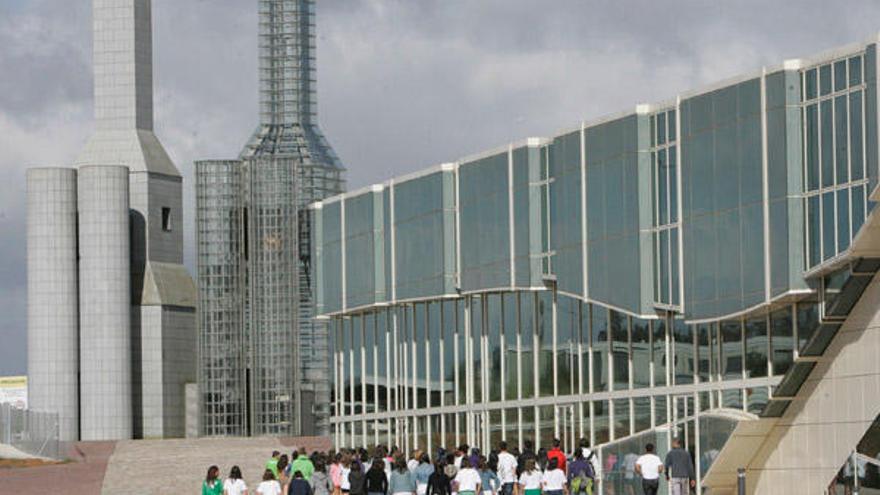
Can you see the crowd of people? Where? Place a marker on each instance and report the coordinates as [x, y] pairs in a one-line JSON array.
[[461, 471]]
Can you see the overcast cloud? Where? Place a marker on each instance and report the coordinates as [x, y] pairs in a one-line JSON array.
[[403, 84]]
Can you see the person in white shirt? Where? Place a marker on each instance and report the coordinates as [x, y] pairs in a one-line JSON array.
[[234, 485], [531, 479], [553, 482], [270, 485], [649, 467], [467, 480], [506, 469]]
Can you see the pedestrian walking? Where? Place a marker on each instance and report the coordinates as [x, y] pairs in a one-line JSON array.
[[356, 479], [467, 481], [376, 481], [506, 469], [439, 483], [557, 453], [553, 481], [581, 475], [320, 480], [423, 472], [269, 485], [212, 484], [489, 481], [531, 478], [649, 466], [298, 485], [679, 469], [234, 485], [402, 481]]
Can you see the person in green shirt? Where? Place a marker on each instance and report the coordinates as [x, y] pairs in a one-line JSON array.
[[303, 464], [212, 484], [272, 464]]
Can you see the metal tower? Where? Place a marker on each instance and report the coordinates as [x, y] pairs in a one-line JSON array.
[[265, 302]]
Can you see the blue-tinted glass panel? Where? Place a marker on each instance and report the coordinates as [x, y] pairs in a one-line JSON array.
[[841, 153], [673, 185], [782, 339], [812, 84], [527, 343], [858, 208], [827, 143], [828, 216], [812, 158], [840, 75], [599, 330], [857, 162], [842, 219], [756, 347], [814, 223], [684, 353], [855, 71], [731, 350], [659, 352], [545, 335], [620, 349], [825, 79]]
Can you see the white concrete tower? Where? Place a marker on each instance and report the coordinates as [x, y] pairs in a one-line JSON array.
[[104, 308], [53, 314], [162, 293]]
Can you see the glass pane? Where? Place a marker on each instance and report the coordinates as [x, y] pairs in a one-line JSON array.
[[672, 127], [828, 216], [527, 325], [812, 117], [545, 333], [807, 322], [855, 71], [841, 141], [641, 353], [600, 421], [842, 220], [621, 418], [825, 79], [661, 129], [673, 186], [493, 319], [620, 349], [814, 221], [840, 75], [684, 353], [858, 208], [827, 143], [731, 350], [857, 164], [511, 358], [782, 340], [642, 413], [662, 189], [659, 352], [756, 347], [659, 410], [599, 330], [811, 84]]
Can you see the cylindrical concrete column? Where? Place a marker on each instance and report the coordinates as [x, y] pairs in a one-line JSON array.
[[105, 303], [53, 317]]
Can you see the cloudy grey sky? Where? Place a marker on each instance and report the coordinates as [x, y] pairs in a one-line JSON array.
[[403, 84]]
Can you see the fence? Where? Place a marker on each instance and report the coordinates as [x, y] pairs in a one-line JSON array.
[[31, 432]]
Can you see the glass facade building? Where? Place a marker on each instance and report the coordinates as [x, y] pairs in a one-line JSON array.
[[606, 281]]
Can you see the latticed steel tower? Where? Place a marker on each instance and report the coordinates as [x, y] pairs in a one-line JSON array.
[[263, 360]]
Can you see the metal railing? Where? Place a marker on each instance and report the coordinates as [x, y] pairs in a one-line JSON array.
[[30, 432]]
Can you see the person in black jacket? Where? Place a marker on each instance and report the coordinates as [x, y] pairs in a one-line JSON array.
[[376, 482], [439, 483]]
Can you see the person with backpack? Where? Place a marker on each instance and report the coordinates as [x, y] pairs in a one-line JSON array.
[[590, 457], [320, 481], [580, 474]]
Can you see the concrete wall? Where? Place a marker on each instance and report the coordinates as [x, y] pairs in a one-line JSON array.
[[104, 287], [53, 314], [837, 404]]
